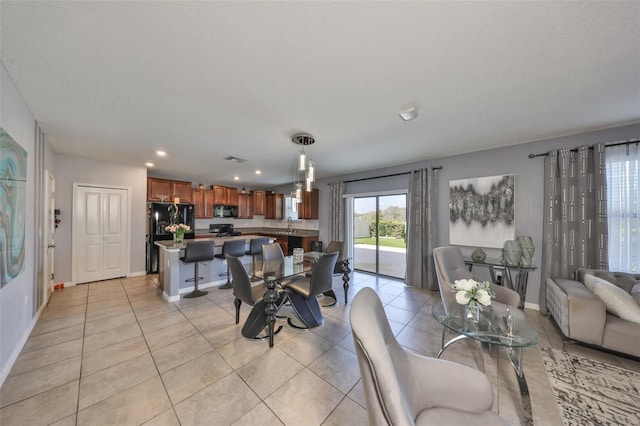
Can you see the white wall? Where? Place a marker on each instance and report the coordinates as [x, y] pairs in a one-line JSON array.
[[17, 297], [70, 170], [508, 160]]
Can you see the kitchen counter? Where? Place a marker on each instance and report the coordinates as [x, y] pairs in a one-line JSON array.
[[270, 231], [174, 273]]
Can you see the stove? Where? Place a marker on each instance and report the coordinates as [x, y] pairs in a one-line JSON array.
[[223, 230]]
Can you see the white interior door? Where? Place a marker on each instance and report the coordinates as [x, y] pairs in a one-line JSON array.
[[101, 226], [49, 235]]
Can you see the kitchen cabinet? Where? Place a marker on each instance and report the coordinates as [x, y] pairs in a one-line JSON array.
[[283, 240], [275, 206], [244, 206], [308, 208], [225, 196], [166, 190], [203, 201], [259, 202]]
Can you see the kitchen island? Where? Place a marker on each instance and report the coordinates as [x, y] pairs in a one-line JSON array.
[[174, 273]]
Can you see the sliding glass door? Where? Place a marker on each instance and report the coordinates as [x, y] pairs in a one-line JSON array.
[[379, 234]]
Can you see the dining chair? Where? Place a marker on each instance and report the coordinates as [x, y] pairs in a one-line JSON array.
[[405, 388], [450, 266], [303, 292], [252, 295]]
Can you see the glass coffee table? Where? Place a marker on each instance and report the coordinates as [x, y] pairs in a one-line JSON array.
[[494, 326]]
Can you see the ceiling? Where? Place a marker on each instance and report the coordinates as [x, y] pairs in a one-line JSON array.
[[204, 80]]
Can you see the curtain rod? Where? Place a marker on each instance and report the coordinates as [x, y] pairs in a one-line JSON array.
[[386, 176], [544, 154]]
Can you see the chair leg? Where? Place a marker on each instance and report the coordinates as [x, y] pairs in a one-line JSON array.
[[307, 309], [237, 302], [228, 284], [196, 291]]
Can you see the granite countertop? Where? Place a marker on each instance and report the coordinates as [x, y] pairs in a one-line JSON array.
[[274, 231], [170, 245]]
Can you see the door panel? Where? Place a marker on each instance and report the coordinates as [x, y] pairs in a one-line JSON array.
[[379, 224], [102, 227]]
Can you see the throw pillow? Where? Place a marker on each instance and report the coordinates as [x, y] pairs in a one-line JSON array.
[[618, 302], [635, 292]]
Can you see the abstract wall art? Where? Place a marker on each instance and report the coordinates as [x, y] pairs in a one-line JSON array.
[[13, 194], [481, 211]]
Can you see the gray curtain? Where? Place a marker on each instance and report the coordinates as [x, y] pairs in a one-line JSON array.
[[336, 211], [422, 229], [575, 214]]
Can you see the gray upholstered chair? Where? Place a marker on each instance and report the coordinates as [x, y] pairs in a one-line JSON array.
[[450, 267], [404, 388], [303, 292], [196, 252]]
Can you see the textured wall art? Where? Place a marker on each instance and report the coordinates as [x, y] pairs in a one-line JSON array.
[[13, 194], [481, 211]]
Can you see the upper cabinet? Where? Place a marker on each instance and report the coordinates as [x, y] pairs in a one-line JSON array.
[[275, 206], [244, 206], [259, 202], [225, 196], [308, 208], [167, 190], [203, 201]]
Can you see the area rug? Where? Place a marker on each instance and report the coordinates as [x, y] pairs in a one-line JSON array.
[[590, 392]]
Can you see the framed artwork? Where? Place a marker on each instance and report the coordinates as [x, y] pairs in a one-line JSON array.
[[13, 194], [481, 211]]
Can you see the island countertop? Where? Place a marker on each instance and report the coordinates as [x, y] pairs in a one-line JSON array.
[[171, 246]]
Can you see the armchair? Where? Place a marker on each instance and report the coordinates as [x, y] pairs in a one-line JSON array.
[[404, 388]]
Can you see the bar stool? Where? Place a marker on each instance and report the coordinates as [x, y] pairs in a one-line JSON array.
[[235, 248], [255, 248], [196, 252]]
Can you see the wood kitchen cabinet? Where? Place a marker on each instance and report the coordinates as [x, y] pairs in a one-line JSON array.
[[225, 195], [309, 207], [275, 206], [166, 190], [244, 206], [259, 202], [203, 201]]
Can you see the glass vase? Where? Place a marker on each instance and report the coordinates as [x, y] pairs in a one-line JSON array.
[[178, 237], [472, 313]]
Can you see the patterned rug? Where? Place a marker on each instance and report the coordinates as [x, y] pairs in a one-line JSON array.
[[590, 392]]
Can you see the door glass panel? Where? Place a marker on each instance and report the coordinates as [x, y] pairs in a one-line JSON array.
[[380, 234]]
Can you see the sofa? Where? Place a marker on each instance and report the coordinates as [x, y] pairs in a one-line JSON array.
[[579, 308]]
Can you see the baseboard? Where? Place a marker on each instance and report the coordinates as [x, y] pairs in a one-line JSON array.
[[534, 306], [137, 274], [16, 353]]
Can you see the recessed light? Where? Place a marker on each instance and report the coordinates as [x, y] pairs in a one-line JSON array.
[[236, 178], [148, 164], [161, 153], [258, 172]]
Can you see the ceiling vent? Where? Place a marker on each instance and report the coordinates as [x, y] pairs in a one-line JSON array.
[[235, 159]]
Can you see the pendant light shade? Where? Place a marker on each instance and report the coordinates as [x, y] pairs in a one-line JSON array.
[[303, 166]]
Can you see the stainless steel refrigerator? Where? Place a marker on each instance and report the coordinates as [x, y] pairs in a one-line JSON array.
[[159, 216]]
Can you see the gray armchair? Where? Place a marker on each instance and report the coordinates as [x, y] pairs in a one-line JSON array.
[[404, 388], [450, 267]]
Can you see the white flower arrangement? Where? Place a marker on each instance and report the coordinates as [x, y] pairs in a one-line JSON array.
[[473, 293]]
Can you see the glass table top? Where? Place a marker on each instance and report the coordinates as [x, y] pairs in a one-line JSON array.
[[492, 326]]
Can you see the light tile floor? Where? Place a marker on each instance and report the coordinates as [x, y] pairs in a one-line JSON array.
[[115, 353]]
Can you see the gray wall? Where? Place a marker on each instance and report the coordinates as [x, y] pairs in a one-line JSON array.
[[17, 298], [508, 160], [70, 170]]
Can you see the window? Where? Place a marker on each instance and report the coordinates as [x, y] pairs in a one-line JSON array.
[[623, 200]]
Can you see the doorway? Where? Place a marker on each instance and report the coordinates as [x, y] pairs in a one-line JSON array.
[[49, 235], [379, 234], [101, 233]]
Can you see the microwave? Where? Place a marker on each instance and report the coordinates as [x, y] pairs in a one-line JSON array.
[[225, 211]]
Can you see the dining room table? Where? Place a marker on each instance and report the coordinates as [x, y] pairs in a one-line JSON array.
[[278, 270]]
